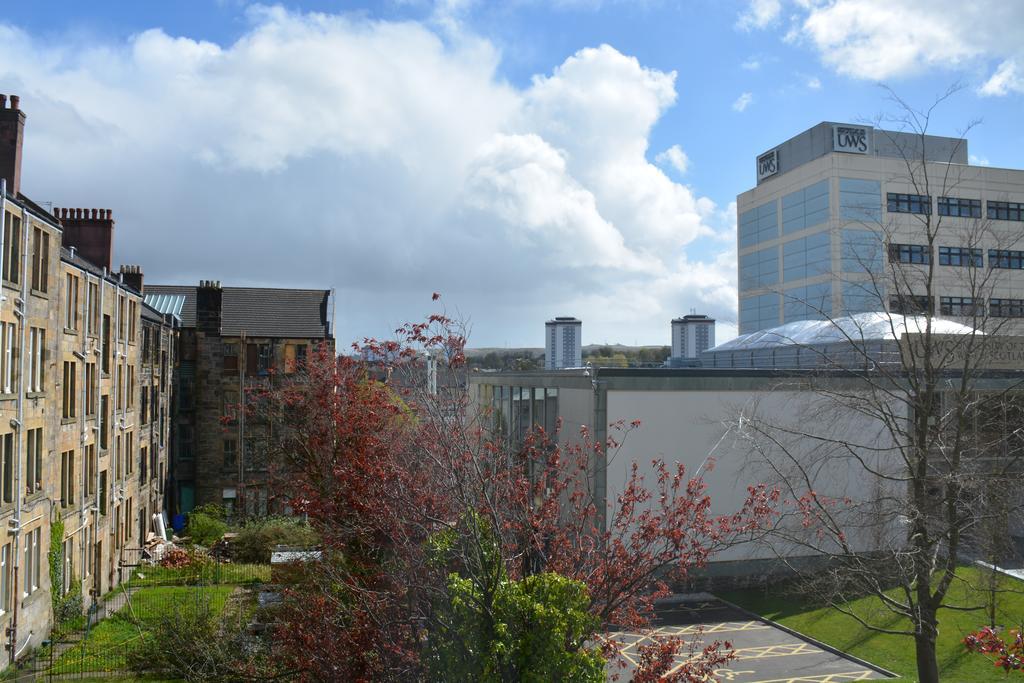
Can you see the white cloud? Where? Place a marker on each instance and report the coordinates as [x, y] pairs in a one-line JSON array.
[[379, 158], [743, 101], [881, 39], [675, 157], [813, 83], [752, 64], [759, 14], [1007, 78], [978, 161]]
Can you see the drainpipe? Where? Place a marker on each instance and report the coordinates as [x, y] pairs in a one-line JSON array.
[[19, 311], [83, 513], [100, 422], [3, 221]]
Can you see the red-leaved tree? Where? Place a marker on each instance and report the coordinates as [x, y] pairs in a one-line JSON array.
[[1006, 653], [385, 453]]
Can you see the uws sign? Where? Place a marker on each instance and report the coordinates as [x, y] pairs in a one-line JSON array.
[[767, 165], [851, 139]]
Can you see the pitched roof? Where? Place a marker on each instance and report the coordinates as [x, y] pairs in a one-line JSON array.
[[259, 312]]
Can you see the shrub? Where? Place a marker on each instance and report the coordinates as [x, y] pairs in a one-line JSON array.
[[257, 539], [204, 529], [539, 629], [215, 510], [192, 644]]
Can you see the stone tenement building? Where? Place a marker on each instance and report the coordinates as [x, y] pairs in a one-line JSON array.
[[232, 338], [78, 445]]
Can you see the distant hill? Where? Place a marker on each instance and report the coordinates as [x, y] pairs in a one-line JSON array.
[[539, 351]]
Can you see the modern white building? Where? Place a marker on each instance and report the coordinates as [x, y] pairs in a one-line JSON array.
[[692, 335], [842, 212], [563, 343], [696, 415]]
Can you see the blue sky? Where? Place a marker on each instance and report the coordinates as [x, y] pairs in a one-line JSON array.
[[526, 159]]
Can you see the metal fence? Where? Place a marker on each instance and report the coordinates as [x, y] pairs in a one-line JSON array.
[[100, 644]]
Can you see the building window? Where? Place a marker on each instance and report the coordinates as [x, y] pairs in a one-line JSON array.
[[131, 386], [958, 306], [911, 304], [860, 200], [184, 441], [129, 453], [960, 256], [37, 359], [1006, 308], [122, 319], [90, 469], [71, 304], [758, 225], [1005, 258], [144, 406], [7, 462], [103, 492], [104, 421], [5, 578], [12, 241], [40, 259], [230, 454], [69, 390], [90, 389], [67, 478], [32, 556], [34, 460], [964, 208], [118, 469], [1006, 211], [118, 388], [910, 253], [264, 359], [143, 463], [106, 345], [8, 356], [909, 203], [92, 319], [230, 356], [133, 314]]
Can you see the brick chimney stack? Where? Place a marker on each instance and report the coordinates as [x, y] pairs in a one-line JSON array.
[[209, 299], [91, 232], [12, 134], [132, 276]]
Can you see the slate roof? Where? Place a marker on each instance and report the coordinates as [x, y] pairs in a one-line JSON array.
[[90, 267], [257, 311]]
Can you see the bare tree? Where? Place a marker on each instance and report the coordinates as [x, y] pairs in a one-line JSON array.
[[893, 454]]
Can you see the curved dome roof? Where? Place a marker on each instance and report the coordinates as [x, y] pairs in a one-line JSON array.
[[862, 327]]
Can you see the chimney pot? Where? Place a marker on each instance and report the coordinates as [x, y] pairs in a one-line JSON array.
[[3, 101], [15, 100]]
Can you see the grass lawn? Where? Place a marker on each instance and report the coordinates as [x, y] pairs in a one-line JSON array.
[[893, 652], [109, 641]]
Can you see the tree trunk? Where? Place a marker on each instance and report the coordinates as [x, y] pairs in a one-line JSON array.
[[927, 662]]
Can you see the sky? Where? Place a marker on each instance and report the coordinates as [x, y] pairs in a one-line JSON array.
[[525, 159]]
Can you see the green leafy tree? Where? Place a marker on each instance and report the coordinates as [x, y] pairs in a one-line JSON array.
[[535, 629]]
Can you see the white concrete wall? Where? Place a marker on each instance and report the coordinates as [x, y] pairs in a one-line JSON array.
[[692, 426]]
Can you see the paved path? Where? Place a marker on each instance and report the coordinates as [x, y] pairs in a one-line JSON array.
[[764, 652]]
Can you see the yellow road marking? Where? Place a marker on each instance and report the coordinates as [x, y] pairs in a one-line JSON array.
[[783, 650], [862, 675]]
